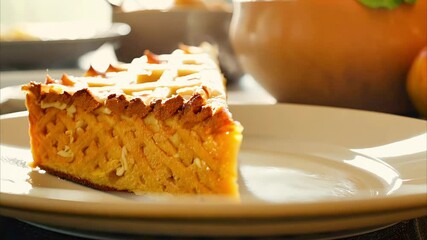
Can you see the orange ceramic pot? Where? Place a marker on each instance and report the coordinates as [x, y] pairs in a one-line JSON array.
[[417, 83], [335, 52]]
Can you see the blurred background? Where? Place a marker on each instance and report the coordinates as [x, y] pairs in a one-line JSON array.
[[354, 54], [48, 34], [53, 34]]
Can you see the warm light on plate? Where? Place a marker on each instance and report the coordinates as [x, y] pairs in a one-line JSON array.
[[405, 147]]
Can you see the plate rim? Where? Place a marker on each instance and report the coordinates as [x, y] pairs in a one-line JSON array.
[[110, 33], [329, 209], [325, 208]]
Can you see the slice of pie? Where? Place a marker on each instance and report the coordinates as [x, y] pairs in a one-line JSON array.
[[158, 124]]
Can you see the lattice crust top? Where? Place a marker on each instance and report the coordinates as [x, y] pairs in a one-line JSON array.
[[187, 82], [183, 74]]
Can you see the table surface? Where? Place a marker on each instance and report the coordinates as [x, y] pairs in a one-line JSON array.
[[239, 92], [415, 229]]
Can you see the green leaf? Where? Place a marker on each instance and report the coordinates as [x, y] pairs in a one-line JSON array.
[[388, 4]]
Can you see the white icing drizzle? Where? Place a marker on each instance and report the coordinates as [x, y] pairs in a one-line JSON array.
[[178, 73]]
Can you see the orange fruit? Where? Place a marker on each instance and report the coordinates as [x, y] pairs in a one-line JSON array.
[[416, 83]]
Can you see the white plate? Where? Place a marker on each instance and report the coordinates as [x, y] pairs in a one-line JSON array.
[[303, 170], [59, 52]]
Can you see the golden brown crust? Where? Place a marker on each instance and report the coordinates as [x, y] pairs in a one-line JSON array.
[[191, 112], [195, 96], [195, 111], [33, 88], [137, 107], [53, 97], [151, 57], [118, 104], [92, 72], [164, 110], [85, 100], [49, 80]]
